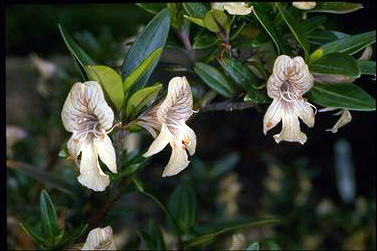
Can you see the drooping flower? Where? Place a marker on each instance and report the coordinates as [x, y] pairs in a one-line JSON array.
[[87, 115], [169, 117], [290, 79], [304, 5], [345, 118], [233, 8], [100, 239]]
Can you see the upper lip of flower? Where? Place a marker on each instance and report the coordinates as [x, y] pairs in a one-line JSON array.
[[86, 114], [169, 117], [290, 79]]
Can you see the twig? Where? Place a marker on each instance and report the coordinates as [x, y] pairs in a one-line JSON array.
[[227, 106]]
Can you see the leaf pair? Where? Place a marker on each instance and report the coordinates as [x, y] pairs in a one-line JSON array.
[[52, 236]]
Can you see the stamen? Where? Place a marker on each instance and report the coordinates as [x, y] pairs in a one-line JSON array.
[[315, 108]]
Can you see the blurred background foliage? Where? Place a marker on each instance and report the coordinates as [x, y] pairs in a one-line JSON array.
[[240, 174]]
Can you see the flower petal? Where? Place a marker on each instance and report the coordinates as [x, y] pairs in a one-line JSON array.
[[178, 102], [178, 159], [100, 239], [305, 112], [344, 119], [91, 174], [160, 142], [84, 101], [106, 152], [190, 141], [272, 116], [237, 8], [291, 127]]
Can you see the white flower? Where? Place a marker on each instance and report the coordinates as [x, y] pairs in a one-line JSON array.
[[304, 5], [233, 8], [290, 79], [169, 118], [345, 118], [100, 239], [87, 115]]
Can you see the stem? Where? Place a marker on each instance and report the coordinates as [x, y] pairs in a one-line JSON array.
[[227, 106], [184, 37]]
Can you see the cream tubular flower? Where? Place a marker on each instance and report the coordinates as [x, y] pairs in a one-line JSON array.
[[304, 5], [233, 8], [290, 79], [87, 115], [169, 117], [100, 239], [345, 118]]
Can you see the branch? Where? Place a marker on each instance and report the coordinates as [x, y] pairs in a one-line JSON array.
[[227, 106]]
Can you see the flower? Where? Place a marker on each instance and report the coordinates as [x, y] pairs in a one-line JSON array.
[[100, 239], [304, 5], [290, 79], [169, 118], [345, 118], [87, 115], [233, 8]]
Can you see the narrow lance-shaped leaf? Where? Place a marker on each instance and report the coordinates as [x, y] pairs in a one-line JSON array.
[[336, 64], [110, 81], [367, 67], [214, 79], [207, 233], [349, 45], [32, 232], [194, 20], [336, 7], [49, 219], [196, 10], [152, 38], [293, 26], [153, 8], [153, 237], [309, 25], [259, 12], [347, 96], [182, 206], [142, 98], [74, 235], [80, 56], [239, 72], [141, 69]]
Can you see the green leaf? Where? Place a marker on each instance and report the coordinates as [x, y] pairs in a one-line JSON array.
[[74, 235], [47, 178], [240, 73], [253, 246], [348, 45], [196, 10], [367, 67], [182, 206], [208, 233], [110, 81], [336, 64], [257, 96], [49, 219], [224, 165], [138, 183], [271, 245], [204, 41], [35, 236], [215, 20], [268, 25], [153, 237], [348, 96], [310, 24], [214, 79], [153, 8], [142, 98], [197, 21], [321, 37], [142, 69], [336, 7], [152, 38], [293, 26], [80, 56]]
